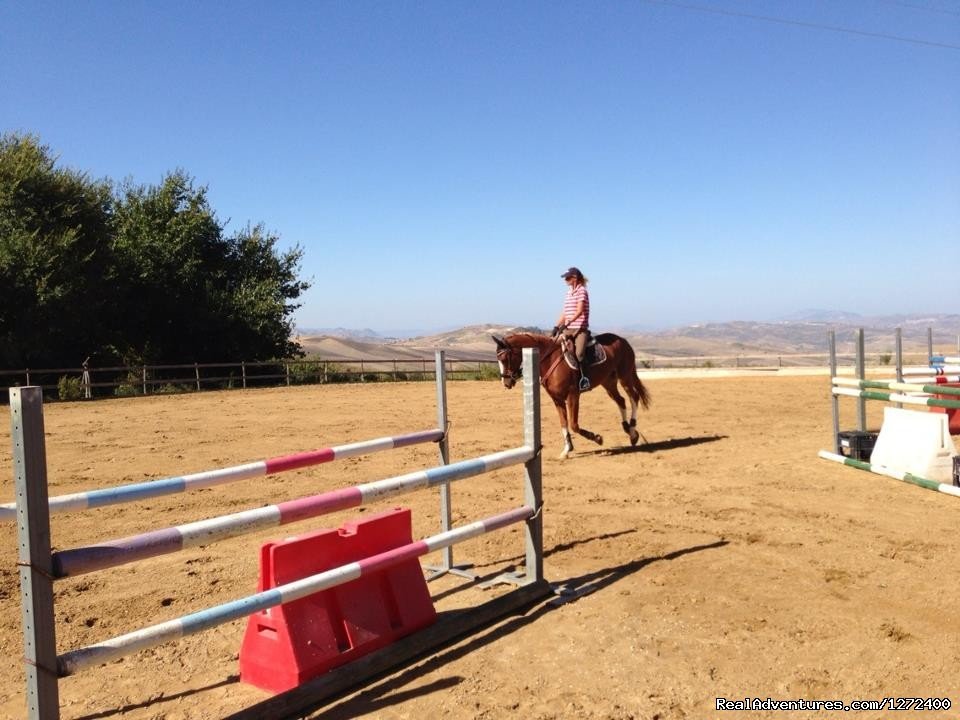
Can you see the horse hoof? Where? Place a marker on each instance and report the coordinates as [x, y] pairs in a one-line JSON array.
[[634, 438], [599, 439]]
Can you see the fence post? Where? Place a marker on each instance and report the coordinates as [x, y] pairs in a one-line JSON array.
[[196, 371], [929, 347], [446, 513], [35, 560], [286, 371], [533, 492], [144, 379], [834, 400], [861, 374], [898, 346], [243, 373]]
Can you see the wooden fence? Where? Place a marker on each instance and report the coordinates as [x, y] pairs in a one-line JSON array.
[[121, 381], [87, 382]]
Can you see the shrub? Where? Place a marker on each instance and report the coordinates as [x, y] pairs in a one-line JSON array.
[[172, 389], [69, 388], [336, 373], [487, 371], [306, 372]]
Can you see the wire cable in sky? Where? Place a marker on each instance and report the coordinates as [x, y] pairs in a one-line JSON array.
[[800, 23], [912, 6]]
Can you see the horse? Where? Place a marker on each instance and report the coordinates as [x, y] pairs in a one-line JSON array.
[[562, 382]]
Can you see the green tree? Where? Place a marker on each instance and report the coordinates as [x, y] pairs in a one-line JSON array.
[[55, 258], [259, 294], [194, 294], [143, 274]]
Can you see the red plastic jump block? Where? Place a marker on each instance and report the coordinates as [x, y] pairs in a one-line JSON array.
[[953, 415], [287, 645]]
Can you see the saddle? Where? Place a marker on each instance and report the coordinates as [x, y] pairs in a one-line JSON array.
[[593, 353]]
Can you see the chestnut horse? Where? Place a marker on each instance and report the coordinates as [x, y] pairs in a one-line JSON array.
[[562, 382]]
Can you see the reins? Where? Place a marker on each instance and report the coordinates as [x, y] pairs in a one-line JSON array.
[[553, 366]]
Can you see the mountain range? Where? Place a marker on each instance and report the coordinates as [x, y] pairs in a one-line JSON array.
[[804, 332]]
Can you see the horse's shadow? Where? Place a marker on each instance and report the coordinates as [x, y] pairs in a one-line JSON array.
[[671, 444]]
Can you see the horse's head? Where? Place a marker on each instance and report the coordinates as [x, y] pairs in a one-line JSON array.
[[511, 362]]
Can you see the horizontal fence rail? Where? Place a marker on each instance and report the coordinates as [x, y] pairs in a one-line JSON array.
[[76, 660], [125, 381], [898, 398], [106, 554], [906, 477], [210, 478], [74, 383]]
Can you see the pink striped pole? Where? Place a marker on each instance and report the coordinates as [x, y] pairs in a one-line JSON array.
[[209, 478], [112, 553]]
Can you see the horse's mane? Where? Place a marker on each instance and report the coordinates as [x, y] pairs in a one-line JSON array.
[[528, 339]]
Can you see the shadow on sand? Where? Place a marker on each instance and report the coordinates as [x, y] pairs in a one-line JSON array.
[[662, 445], [384, 694]]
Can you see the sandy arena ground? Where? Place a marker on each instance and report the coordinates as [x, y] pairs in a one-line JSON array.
[[722, 559]]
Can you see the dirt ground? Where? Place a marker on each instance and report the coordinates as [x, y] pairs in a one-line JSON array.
[[722, 559]]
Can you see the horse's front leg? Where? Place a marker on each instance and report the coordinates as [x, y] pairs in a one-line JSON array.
[[573, 411], [564, 430]]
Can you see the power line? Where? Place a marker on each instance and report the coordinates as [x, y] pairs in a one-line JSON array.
[[800, 23], [914, 6]]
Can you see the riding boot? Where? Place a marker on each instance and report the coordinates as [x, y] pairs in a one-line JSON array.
[[584, 380]]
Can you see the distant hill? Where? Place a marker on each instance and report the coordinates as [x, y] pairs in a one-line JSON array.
[[467, 343], [804, 333], [366, 334]]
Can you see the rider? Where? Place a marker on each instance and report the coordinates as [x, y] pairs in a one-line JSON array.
[[575, 318]]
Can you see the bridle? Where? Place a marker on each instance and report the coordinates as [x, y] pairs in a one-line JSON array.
[[503, 357], [505, 354]]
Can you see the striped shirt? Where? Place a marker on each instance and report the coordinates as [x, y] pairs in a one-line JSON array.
[[574, 296]]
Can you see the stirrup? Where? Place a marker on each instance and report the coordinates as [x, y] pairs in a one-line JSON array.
[[584, 382]]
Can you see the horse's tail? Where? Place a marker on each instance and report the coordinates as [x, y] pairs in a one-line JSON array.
[[627, 372]]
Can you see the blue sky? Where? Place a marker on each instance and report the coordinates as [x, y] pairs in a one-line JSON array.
[[441, 163]]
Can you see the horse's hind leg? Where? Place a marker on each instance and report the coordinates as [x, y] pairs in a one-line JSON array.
[[638, 396], [630, 428]]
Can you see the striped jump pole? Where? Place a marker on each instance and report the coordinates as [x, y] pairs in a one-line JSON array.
[[944, 359], [895, 474], [76, 660], [902, 386], [929, 379], [932, 370], [106, 554], [898, 397], [210, 478]]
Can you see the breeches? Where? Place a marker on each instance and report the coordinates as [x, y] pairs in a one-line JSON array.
[[579, 343]]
